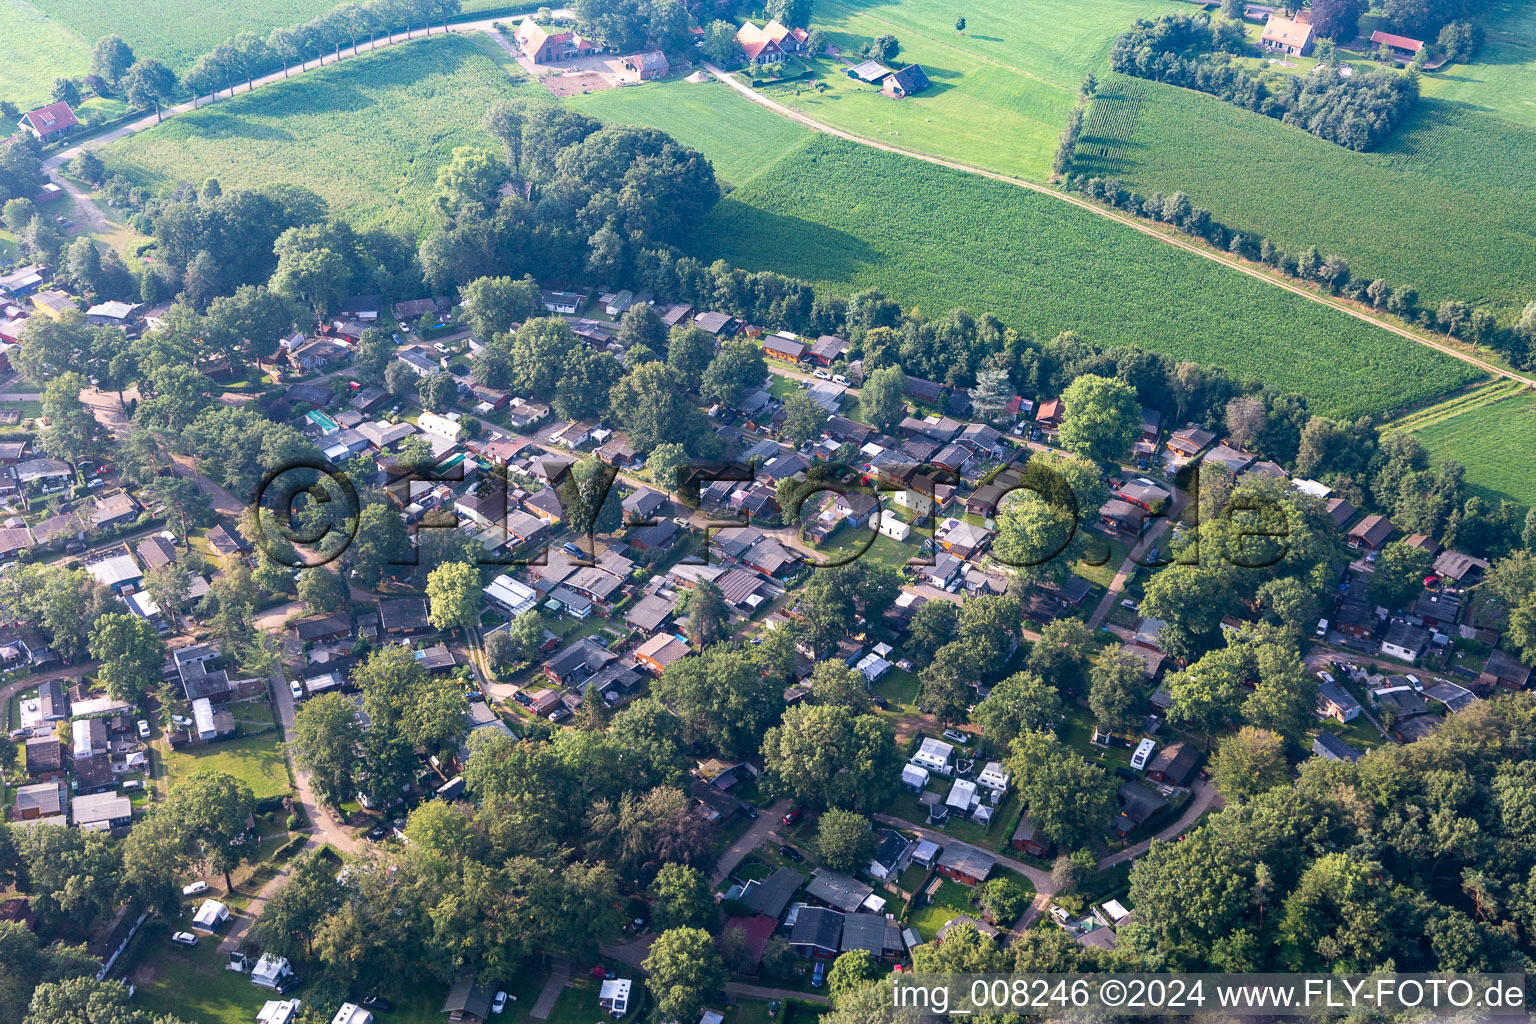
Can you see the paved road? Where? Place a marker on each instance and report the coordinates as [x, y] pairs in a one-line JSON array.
[[748, 841], [1233, 262], [1205, 797], [559, 975]]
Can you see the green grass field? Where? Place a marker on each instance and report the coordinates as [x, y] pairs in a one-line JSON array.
[[1001, 89], [849, 217], [1502, 80], [367, 135], [1446, 206], [179, 31], [1492, 432], [739, 138], [34, 50], [255, 758]]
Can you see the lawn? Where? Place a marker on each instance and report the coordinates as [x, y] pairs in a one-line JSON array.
[[950, 900], [739, 138], [1492, 432], [1011, 75], [256, 757], [366, 135], [1445, 206], [1502, 80], [34, 50], [848, 217], [180, 30]]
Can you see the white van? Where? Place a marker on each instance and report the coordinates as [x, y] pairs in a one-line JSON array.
[[1322, 628], [1143, 754]]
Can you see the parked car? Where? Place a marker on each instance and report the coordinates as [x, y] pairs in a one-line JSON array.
[[375, 1002], [821, 375], [182, 720], [25, 732], [297, 689], [792, 817], [559, 714], [956, 736], [377, 833], [838, 378], [184, 938], [194, 888], [288, 984], [682, 523], [499, 1003], [820, 974], [143, 727], [791, 852]]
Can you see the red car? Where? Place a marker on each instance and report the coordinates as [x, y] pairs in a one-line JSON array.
[[792, 817]]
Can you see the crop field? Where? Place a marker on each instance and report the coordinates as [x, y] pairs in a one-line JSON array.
[[34, 50], [1447, 206], [1492, 432], [850, 217], [179, 31], [1001, 90], [740, 138], [366, 135]]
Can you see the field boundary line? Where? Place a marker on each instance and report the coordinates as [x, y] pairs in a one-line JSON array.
[[1132, 223]]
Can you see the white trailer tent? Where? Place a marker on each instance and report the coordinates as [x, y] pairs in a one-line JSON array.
[[270, 971], [210, 915]]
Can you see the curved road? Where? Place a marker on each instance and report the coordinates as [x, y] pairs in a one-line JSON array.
[[1130, 222]]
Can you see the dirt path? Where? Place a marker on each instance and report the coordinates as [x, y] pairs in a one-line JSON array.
[[748, 841], [559, 975], [1199, 250], [1205, 797]]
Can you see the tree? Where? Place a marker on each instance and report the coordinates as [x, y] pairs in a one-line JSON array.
[[882, 399], [111, 59], [1401, 570], [949, 682], [737, 370], [437, 391], [1248, 762], [1115, 689], [850, 971], [492, 305], [708, 614], [322, 590], [149, 82], [210, 809], [722, 696], [991, 396], [1102, 416], [935, 624], [471, 176], [803, 418], [827, 756], [960, 24], [324, 744], [292, 916], [721, 45], [1068, 799], [131, 653], [883, 49], [844, 840], [650, 403], [836, 684], [792, 13], [380, 544], [1019, 703], [682, 898], [685, 972], [1003, 899]]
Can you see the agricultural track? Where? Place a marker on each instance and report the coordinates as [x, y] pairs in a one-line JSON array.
[[1131, 222], [1454, 406]]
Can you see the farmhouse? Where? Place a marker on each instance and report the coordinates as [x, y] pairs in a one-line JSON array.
[[1286, 36], [908, 81], [757, 44], [544, 47], [51, 122], [647, 66]]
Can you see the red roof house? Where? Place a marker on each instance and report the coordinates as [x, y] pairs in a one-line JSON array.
[[47, 123]]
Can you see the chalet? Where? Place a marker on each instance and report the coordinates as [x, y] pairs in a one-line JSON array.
[[1122, 516], [1405, 642], [717, 325], [962, 539], [410, 309], [924, 391], [1190, 441], [369, 400], [784, 349], [45, 758], [966, 864], [643, 504], [1505, 671], [1370, 533], [1027, 837], [14, 540], [771, 895], [20, 282], [1137, 806], [118, 571], [618, 452], [1293, 38], [419, 362], [324, 629], [49, 123], [982, 440], [53, 302], [909, 81], [873, 933], [577, 661], [113, 509], [1144, 493], [828, 349], [1340, 511], [942, 572], [39, 801], [660, 651], [600, 587], [404, 616], [111, 314], [1174, 764], [846, 431], [545, 47], [648, 66], [1356, 615], [437, 658], [816, 933], [1452, 697], [469, 1002], [1227, 458], [676, 314], [837, 890], [382, 435], [1049, 417], [952, 457], [1330, 747], [650, 613], [1409, 714], [1263, 470], [546, 505], [102, 812], [43, 473], [1398, 46], [1437, 610], [655, 537], [1461, 569]]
